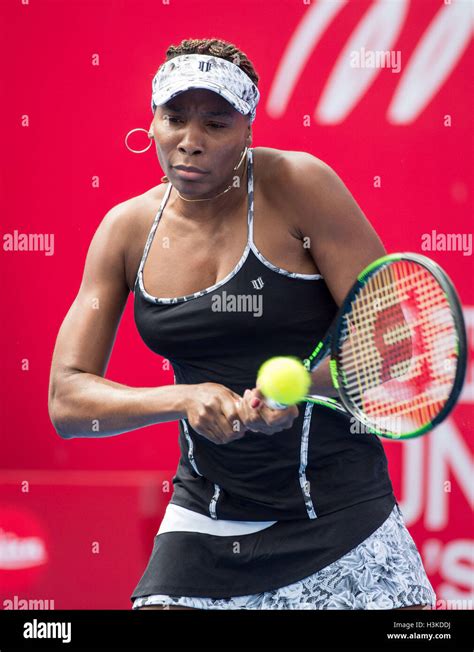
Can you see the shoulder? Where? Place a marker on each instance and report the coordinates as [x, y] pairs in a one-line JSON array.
[[321, 208], [303, 188], [130, 216], [124, 228], [295, 176], [282, 162]]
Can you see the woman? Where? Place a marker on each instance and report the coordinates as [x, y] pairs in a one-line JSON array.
[[241, 254]]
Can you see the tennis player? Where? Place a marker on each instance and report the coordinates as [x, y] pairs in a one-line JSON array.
[[239, 255]]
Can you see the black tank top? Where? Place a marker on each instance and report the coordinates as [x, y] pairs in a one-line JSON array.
[[222, 334]]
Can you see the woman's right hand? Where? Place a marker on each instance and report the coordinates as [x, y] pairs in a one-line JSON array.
[[212, 410]]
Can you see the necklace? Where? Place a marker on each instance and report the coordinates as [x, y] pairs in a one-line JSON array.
[[228, 188]]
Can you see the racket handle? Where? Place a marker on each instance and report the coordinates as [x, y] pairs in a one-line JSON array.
[[274, 405]]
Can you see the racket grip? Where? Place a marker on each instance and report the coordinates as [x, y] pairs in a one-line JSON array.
[[274, 405]]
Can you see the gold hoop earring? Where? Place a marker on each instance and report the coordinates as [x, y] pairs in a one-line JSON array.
[[137, 151]]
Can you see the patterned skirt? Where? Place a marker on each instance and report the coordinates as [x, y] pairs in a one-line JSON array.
[[385, 571]]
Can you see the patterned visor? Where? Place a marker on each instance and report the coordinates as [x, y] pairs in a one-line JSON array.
[[203, 71]]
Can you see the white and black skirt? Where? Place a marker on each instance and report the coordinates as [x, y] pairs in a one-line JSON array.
[[362, 557]]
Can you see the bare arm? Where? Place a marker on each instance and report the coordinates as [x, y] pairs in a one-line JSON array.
[[341, 239], [81, 402]]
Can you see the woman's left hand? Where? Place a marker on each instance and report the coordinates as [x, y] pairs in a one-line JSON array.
[[258, 417]]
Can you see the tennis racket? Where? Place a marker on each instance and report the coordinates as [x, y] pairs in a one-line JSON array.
[[397, 348]]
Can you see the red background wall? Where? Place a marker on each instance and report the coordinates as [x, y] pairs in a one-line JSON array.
[[77, 517]]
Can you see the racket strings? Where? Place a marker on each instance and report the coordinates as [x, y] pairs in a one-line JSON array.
[[369, 304], [398, 347], [429, 331], [363, 325], [390, 354]]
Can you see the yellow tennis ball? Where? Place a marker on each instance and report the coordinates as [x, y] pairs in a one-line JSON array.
[[284, 379]]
